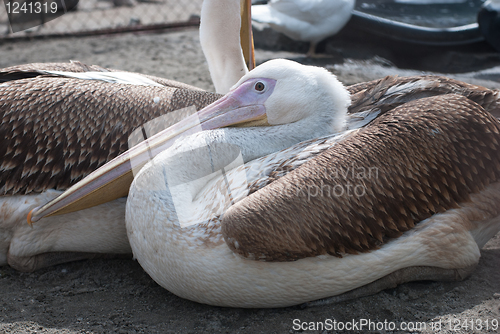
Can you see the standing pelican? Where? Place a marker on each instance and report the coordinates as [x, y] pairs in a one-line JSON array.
[[268, 216], [305, 20], [62, 121]]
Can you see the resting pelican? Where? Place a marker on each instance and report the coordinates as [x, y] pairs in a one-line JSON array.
[[305, 20], [269, 216], [60, 121]]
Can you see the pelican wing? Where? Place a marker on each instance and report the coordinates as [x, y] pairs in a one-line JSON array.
[[392, 91], [419, 159], [56, 130], [36, 69]]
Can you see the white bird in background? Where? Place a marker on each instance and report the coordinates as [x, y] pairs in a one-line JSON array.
[[305, 20]]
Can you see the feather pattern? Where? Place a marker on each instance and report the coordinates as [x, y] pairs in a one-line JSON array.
[[425, 157], [36, 69], [56, 130], [392, 91]]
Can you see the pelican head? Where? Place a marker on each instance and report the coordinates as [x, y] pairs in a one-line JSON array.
[[297, 93]]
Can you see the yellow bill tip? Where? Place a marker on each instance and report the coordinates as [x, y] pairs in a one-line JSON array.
[[28, 218]]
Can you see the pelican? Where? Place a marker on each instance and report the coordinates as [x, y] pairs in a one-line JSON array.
[[257, 211], [305, 20], [60, 121], [218, 17]]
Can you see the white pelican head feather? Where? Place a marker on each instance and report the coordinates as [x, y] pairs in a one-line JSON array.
[[301, 93]]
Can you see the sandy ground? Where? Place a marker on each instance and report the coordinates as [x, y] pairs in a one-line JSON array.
[[104, 296]]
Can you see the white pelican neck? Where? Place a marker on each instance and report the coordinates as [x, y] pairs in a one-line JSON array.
[[220, 40]]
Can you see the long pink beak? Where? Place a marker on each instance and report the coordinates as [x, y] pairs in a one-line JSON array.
[[112, 180]]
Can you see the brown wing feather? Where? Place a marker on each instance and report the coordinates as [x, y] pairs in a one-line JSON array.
[[74, 66], [54, 131], [374, 94], [36, 69], [425, 157]]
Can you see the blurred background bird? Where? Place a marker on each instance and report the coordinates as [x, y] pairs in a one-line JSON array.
[[305, 20]]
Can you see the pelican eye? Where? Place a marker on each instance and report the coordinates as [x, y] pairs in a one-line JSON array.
[[259, 86]]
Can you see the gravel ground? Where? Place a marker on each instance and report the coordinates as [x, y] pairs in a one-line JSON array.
[[104, 296]]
